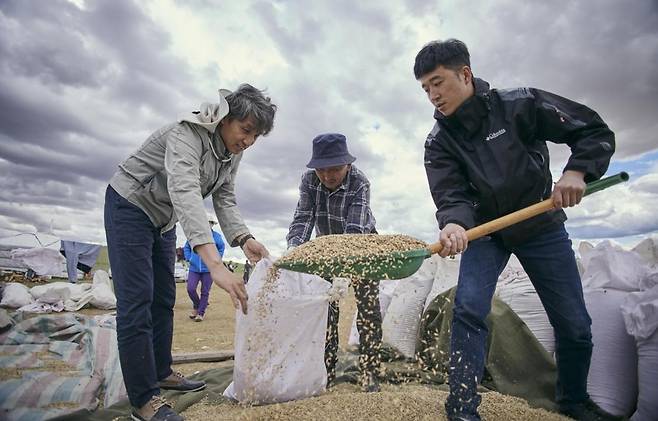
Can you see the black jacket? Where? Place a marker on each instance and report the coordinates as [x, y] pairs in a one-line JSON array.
[[490, 157]]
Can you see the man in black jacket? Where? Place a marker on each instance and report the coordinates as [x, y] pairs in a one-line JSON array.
[[485, 157]]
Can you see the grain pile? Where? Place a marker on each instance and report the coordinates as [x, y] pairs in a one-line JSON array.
[[344, 255], [395, 402]]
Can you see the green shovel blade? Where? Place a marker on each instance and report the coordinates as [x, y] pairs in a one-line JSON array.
[[395, 265]]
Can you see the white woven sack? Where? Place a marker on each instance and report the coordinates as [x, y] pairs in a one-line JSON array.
[[43, 261], [402, 320], [279, 344], [612, 379], [386, 290], [609, 266], [647, 401], [648, 250], [54, 292], [15, 295], [445, 277], [640, 313], [515, 289]]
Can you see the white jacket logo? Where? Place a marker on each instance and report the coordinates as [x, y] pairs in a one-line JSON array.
[[494, 135]]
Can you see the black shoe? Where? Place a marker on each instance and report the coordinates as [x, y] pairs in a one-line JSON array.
[[589, 411], [182, 384], [163, 411], [370, 383]]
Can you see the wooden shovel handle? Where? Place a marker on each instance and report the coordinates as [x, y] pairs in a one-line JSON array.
[[502, 222]]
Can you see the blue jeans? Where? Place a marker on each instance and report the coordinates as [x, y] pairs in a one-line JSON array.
[[551, 265], [142, 262]]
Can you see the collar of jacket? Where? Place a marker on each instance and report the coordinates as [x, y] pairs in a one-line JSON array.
[[470, 114], [218, 148]]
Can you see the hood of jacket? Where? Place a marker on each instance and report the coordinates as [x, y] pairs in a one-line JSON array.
[[209, 114]]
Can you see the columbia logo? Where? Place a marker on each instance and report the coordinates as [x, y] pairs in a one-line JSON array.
[[494, 135]]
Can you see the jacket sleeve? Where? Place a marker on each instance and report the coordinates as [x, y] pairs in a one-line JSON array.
[[226, 208], [448, 185], [561, 120], [219, 242], [359, 211], [182, 162], [303, 221], [187, 251]]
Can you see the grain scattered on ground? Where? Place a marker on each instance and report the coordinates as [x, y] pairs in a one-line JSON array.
[[346, 401]]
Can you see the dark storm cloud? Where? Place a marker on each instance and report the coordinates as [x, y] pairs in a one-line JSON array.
[[111, 54], [357, 63], [81, 88], [295, 37], [604, 56]]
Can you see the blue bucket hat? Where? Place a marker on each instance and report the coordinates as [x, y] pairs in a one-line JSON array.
[[330, 150]]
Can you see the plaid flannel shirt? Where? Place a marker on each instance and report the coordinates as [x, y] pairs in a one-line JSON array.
[[344, 211]]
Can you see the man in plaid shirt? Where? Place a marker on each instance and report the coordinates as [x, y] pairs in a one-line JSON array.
[[334, 197]]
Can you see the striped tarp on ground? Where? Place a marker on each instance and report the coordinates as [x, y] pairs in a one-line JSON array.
[[57, 364]]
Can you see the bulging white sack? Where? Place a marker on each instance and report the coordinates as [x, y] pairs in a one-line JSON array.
[[613, 374], [102, 295], [43, 261], [647, 403], [279, 344], [445, 277], [54, 292], [640, 313], [402, 320], [648, 250], [609, 266], [516, 290], [15, 295]]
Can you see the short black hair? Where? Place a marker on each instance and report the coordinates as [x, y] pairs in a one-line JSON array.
[[452, 54]]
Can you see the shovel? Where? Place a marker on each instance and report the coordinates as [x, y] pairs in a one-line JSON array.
[[398, 265]]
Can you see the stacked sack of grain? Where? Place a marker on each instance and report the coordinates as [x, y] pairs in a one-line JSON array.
[[402, 320], [445, 277], [515, 289], [640, 313], [612, 278]]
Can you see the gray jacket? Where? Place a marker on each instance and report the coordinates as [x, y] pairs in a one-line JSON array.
[[176, 168]]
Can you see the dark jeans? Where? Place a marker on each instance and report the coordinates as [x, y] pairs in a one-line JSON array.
[[142, 262], [550, 263], [193, 279], [368, 323]]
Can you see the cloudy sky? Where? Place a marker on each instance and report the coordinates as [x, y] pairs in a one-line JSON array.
[[83, 83]]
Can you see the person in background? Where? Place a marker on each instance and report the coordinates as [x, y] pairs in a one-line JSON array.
[[163, 182], [334, 197], [486, 157], [247, 271], [198, 272]]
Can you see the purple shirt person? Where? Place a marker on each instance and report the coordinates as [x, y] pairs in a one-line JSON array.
[[199, 273]]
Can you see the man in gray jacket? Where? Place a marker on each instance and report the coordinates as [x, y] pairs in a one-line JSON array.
[[164, 182]]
